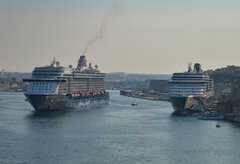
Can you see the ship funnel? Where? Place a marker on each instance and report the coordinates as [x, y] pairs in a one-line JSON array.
[[81, 62], [197, 67]]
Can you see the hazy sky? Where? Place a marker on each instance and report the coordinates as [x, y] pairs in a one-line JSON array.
[[146, 36]]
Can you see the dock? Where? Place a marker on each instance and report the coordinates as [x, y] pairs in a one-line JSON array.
[[147, 95]]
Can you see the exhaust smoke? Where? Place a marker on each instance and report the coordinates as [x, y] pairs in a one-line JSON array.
[[115, 9]]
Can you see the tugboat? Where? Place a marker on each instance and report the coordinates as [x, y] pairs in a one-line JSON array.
[[57, 88]]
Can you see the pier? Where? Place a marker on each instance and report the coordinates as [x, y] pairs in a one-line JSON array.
[[148, 95]]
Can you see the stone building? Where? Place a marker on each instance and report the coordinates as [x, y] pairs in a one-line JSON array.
[[159, 85], [4, 84], [236, 99], [224, 107]]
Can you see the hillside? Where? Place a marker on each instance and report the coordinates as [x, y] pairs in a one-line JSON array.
[[225, 75], [121, 80]]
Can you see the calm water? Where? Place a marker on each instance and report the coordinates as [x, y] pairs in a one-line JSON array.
[[115, 133]]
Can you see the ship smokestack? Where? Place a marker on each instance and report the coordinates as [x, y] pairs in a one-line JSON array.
[[197, 68], [81, 62]]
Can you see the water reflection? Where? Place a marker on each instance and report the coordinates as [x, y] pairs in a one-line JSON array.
[[80, 110], [72, 118], [115, 133], [35, 114]]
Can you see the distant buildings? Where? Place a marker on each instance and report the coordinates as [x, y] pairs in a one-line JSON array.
[[4, 84], [11, 85], [236, 99], [229, 103], [230, 69], [159, 85], [128, 81]]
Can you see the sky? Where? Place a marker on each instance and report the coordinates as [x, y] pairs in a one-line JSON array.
[[154, 36]]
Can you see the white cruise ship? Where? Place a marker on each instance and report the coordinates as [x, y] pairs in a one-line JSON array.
[[54, 88], [189, 90]]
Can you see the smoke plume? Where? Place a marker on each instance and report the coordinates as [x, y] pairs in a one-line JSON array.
[[114, 11]]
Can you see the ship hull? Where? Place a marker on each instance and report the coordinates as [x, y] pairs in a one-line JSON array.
[[60, 102], [187, 105]]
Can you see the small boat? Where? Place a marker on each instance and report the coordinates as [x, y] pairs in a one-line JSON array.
[[211, 116], [134, 104], [229, 117], [218, 126]]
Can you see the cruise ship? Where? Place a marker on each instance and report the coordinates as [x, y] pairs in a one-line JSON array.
[[189, 91], [57, 88]]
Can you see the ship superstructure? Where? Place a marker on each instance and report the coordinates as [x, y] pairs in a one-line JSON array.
[[54, 87], [189, 90]]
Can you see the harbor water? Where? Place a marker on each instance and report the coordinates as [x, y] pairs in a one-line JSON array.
[[113, 133]]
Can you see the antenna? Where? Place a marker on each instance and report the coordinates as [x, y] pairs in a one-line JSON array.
[[189, 66], [53, 62]]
